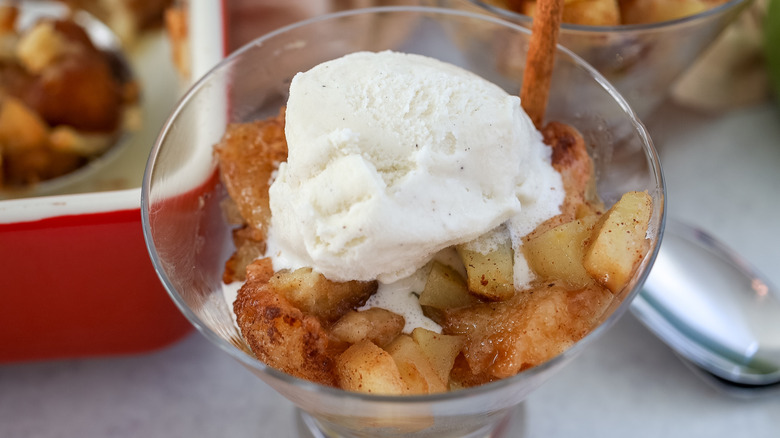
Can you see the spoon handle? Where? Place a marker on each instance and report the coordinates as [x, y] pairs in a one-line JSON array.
[[732, 389]]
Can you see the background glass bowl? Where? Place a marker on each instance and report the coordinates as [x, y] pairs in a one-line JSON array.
[[189, 240], [642, 60]]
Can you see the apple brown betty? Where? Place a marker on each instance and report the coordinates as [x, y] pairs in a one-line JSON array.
[[308, 326]]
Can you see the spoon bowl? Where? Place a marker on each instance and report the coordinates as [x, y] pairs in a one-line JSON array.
[[712, 308], [104, 39]]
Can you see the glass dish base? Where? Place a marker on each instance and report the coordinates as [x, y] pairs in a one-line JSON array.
[[512, 425]]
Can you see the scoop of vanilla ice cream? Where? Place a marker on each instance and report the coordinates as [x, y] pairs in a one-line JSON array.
[[393, 157]]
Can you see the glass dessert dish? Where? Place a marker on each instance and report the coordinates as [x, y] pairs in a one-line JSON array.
[[189, 238], [642, 61]]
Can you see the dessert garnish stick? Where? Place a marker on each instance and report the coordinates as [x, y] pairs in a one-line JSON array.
[[540, 59]]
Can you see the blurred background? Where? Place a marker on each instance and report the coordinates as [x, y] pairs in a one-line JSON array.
[[716, 128]]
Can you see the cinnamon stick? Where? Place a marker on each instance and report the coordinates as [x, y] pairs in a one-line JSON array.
[[540, 59]]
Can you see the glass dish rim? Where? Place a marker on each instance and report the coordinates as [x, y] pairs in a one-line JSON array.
[[254, 364]]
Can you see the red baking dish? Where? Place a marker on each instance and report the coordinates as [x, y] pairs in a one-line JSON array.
[[75, 275], [77, 281]]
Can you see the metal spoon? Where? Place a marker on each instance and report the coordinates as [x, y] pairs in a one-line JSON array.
[[713, 310]]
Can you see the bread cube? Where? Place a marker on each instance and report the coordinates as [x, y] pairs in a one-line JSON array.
[[654, 11], [584, 12], [316, 295], [377, 325]]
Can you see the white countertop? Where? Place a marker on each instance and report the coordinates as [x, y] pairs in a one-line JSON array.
[[723, 173]]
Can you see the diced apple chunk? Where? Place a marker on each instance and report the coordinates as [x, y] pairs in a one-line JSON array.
[[444, 289], [489, 262], [364, 367], [415, 368], [619, 241], [558, 252], [441, 350]]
